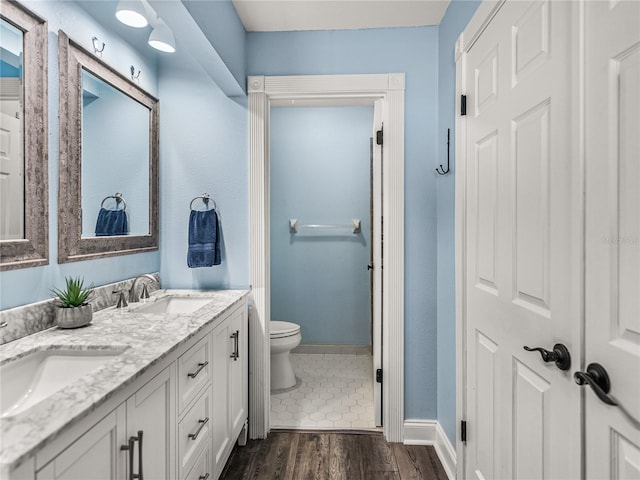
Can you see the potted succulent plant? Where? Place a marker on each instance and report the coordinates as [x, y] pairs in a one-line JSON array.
[[73, 310]]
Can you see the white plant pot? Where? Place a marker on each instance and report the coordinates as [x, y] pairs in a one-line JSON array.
[[74, 317]]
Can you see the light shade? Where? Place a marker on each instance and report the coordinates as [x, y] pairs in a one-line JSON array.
[[132, 13], [161, 38]]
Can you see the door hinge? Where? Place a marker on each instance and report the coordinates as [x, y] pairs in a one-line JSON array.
[[379, 375], [463, 105], [463, 431], [379, 137]]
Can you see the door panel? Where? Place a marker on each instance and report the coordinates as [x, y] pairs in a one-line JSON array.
[[523, 270], [485, 440], [612, 241], [530, 422], [530, 155]]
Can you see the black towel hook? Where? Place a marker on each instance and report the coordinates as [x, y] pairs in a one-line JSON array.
[[440, 170]]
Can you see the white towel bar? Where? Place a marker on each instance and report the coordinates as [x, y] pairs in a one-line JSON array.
[[354, 226]]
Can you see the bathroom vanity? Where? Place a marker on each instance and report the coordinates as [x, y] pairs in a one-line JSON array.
[[164, 395]]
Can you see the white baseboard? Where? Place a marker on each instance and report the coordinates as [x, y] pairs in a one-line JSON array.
[[429, 432]]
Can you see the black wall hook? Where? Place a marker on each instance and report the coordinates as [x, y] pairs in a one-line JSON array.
[[440, 170]]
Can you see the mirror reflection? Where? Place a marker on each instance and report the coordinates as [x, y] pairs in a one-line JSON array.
[[115, 161], [12, 176]]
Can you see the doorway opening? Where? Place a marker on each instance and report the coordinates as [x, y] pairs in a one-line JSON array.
[[323, 195], [334, 90]]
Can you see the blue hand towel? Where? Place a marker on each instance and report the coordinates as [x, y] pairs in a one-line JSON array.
[[112, 222], [204, 239]]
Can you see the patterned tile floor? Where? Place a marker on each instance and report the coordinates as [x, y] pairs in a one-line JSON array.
[[335, 392]]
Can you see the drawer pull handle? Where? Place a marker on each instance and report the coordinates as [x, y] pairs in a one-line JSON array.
[[203, 477], [200, 367], [202, 423]]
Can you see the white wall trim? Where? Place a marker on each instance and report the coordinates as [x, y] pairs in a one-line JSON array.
[[262, 91], [429, 432]]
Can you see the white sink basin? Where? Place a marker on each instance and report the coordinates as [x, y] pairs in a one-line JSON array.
[[38, 375], [174, 304]]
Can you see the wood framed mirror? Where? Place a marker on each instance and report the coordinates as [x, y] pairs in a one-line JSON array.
[[24, 132], [108, 160]]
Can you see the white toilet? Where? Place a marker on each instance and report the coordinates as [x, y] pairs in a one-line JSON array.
[[285, 336]]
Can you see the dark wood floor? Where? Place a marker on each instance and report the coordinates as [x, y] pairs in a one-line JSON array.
[[297, 455]]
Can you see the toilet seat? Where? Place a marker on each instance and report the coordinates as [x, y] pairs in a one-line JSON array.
[[283, 329]]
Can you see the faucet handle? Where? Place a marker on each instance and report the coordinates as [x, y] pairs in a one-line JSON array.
[[122, 299]]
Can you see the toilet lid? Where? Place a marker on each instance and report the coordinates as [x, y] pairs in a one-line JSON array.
[[283, 329]]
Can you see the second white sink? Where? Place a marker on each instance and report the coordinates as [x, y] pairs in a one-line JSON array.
[[174, 304]]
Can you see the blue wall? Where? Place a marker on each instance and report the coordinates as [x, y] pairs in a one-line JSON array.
[[320, 174], [221, 25], [19, 287], [203, 149], [413, 51], [456, 18]]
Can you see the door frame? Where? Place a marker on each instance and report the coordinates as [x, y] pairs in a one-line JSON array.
[[333, 90]]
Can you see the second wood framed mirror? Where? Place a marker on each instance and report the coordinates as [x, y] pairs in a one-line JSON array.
[[108, 196]]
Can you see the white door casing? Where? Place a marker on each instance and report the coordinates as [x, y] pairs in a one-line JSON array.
[[389, 88], [612, 240], [519, 255]]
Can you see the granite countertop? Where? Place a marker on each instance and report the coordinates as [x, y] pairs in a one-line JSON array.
[[144, 338]]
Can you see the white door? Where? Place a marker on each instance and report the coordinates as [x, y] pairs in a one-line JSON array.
[[376, 246], [612, 272], [522, 246], [11, 178]]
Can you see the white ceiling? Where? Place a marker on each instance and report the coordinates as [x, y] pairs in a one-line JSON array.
[[287, 15]]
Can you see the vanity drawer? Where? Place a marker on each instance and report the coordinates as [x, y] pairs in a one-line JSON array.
[[194, 372], [194, 432], [202, 469]]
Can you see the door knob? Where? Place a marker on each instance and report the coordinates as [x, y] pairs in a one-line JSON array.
[[560, 355], [598, 379]]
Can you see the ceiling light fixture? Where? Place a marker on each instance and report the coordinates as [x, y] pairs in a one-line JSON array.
[[162, 38], [132, 13]]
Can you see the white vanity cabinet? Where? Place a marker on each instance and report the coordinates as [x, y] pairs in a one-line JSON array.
[[178, 421], [137, 435]]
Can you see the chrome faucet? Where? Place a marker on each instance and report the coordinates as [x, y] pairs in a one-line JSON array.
[[122, 301], [133, 297]]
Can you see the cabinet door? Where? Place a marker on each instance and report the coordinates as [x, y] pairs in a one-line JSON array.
[[151, 410], [221, 348], [238, 372], [95, 455]]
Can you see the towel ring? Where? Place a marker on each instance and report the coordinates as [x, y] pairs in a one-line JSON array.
[[206, 198], [118, 198]]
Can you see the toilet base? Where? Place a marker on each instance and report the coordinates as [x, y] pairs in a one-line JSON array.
[[282, 375], [285, 390]]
